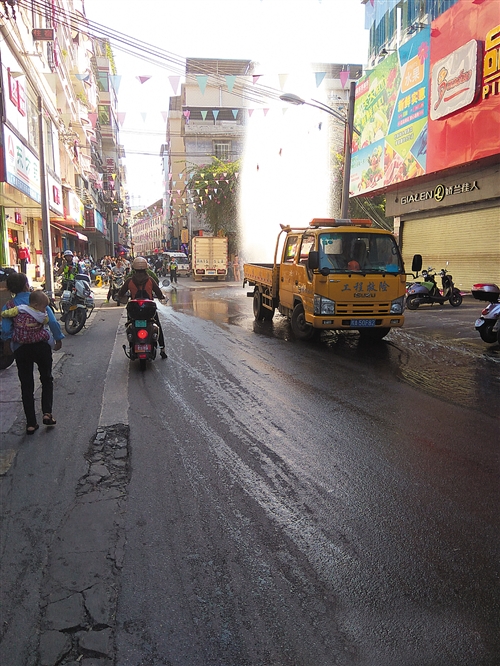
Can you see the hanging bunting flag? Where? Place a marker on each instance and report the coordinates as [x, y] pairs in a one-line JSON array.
[[235, 113], [344, 76], [237, 173], [250, 111], [121, 117], [255, 78], [202, 82], [319, 78], [204, 114], [143, 116], [225, 175], [170, 176], [216, 113], [164, 115], [282, 79], [174, 82], [142, 79], [115, 81], [230, 79], [265, 112], [83, 77], [186, 114], [93, 119]]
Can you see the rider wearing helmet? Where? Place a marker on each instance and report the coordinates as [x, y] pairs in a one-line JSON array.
[[68, 269], [141, 285]]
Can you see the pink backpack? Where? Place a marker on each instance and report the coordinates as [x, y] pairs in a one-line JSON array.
[[26, 329]]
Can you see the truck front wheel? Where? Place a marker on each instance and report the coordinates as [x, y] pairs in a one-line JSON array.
[[301, 329]]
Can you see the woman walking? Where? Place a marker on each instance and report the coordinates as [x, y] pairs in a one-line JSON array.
[[27, 354]]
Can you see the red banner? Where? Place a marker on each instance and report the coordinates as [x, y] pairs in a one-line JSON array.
[[465, 85]]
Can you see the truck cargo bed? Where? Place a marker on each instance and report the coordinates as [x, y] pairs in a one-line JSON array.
[[264, 274]]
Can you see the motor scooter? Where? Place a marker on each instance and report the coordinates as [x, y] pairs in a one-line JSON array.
[[116, 284], [77, 303], [420, 293], [488, 324], [142, 331]]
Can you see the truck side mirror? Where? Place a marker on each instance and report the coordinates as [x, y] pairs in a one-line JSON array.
[[313, 260], [416, 264]]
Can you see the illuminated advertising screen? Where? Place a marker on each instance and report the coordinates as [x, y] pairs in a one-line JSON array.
[[391, 115]]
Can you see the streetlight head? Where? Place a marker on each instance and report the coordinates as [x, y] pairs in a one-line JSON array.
[[292, 99]]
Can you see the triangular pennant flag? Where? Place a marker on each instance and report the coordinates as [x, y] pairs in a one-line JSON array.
[[237, 173], [121, 117], [116, 80], [343, 78], [202, 82], [319, 78], [282, 79], [164, 115], [143, 116], [216, 113], [250, 111], [230, 79], [204, 114], [83, 77], [93, 119], [255, 78], [265, 112], [174, 82], [142, 79], [235, 113]]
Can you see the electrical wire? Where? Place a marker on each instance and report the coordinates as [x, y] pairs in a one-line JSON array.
[[137, 48]]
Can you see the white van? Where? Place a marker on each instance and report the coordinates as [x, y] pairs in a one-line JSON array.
[[183, 267]]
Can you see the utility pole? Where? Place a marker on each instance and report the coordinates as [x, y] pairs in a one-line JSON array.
[[47, 241], [344, 213]]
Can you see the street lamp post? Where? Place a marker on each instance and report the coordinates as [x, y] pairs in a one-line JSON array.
[[349, 129]]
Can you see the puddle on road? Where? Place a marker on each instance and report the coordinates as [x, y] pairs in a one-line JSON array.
[[466, 377]]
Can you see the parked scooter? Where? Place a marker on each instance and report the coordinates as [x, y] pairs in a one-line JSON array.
[[488, 324], [142, 331], [77, 303], [421, 293]]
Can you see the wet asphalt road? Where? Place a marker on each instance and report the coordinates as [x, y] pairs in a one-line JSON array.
[[287, 503]]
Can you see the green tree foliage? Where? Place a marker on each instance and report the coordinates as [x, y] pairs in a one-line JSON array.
[[214, 193]]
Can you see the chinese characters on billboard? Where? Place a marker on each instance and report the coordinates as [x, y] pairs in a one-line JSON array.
[[391, 116]]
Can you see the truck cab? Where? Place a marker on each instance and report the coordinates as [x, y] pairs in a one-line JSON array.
[[337, 274]]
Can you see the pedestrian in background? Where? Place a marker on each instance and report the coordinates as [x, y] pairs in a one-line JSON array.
[[28, 354], [236, 269], [173, 271]]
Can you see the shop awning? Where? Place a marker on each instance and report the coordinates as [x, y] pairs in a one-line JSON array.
[[67, 230]]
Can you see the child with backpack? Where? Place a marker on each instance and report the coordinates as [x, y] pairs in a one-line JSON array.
[[30, 321]]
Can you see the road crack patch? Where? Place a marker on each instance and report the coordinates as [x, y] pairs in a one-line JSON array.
[[80, 587]]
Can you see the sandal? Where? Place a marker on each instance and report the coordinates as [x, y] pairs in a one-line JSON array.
[[30, 430], [48, 420]]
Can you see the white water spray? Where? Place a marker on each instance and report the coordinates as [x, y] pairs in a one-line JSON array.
[[285, 175]]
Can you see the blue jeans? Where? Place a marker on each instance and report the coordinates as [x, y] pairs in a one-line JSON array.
[[26, 356]]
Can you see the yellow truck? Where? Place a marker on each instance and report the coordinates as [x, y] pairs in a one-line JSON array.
[[332, 275]]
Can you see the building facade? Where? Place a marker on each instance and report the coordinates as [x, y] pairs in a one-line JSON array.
[[429, 115], [55, 138]]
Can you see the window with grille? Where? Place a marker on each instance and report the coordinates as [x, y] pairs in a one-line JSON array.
[[222, 149]]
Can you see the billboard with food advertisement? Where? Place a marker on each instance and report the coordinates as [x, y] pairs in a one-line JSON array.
[[391, 115], [465, 85]]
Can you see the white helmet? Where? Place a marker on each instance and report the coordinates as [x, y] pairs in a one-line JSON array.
[[139, 264], [67, 253]]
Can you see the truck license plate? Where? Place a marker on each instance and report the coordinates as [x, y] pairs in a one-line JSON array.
[[140, 323], [142, 348], [210, 272], [362, 322]]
